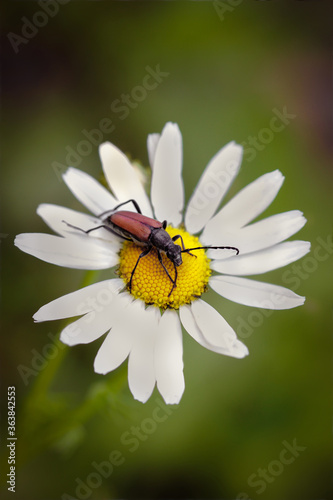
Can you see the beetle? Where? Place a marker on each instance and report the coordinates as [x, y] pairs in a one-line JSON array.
[[147, 232]]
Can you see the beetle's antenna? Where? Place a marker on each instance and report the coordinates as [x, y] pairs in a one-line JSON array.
[[187, 250]]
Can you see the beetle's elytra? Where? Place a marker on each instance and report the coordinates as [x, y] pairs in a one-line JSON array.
[[148, 233]]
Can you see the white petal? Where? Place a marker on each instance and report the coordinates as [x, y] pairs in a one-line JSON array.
[[213, 185], [257, 236], [123, 178], [188, 322], [88, 191], [114, 350], [119, 341], [152, 142], [58, 218], [264, 260], [141, 365], [90, 298], [255, 293], [248, 203], [236, 348], [86, 329], [78, 252], [216, 330], [167, 191], [95, 323], [169, 358]]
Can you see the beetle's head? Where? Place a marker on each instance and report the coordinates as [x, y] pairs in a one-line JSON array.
[[174, 253]]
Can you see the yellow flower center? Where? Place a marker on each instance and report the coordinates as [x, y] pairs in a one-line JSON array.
[[150, 282]]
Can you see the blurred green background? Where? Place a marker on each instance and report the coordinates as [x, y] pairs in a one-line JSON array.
[[228, 69]]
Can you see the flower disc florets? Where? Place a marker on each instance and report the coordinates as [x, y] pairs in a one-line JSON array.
[[150, 282]]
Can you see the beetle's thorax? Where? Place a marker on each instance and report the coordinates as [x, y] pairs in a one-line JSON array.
[[160, 239]]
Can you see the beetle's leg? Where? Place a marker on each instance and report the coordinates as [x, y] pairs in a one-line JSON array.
[[83, 230], [142, 254], [175, 282], [165, 269], [98, 227], [120, 205], [167, 272], [175, 238]]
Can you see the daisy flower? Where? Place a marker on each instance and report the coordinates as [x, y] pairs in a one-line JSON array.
[[143, 322]]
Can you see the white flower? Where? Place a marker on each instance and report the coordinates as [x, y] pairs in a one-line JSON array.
[[151, 336]]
